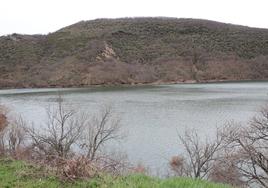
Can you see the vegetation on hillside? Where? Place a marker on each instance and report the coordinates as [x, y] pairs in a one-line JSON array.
[[134, 50]]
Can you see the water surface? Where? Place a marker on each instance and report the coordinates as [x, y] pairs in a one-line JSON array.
[[152, 116]]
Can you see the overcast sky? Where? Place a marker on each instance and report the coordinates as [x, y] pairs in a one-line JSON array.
[[43, 16]]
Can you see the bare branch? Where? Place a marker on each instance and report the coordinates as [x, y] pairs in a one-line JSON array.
[[199, 157], [99, 131]]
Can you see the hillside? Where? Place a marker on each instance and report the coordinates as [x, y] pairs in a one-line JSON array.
[[132, 51]]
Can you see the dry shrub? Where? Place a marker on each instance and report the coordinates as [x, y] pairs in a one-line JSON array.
[[80, 167], [24, 153], [11, 134], [3, 118], [178, 166], [115, 164], [76, 168], [3, 125], [224, 171], [140, 168], [3, 122]]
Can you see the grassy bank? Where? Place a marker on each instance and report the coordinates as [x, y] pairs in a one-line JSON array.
[[15, 174]]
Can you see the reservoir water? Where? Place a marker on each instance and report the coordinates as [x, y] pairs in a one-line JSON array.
[[151, 116]]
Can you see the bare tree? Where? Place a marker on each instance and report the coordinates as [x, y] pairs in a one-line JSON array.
[[99, 131], [224, 170], [250, 144], [15, 135], [63, 129], [11, 133], [199, 157]]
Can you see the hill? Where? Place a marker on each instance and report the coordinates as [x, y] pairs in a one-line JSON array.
[[132, 51]]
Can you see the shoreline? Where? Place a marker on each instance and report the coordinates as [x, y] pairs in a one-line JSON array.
[[156, 83]]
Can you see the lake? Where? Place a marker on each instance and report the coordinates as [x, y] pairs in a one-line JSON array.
[[151, 116]]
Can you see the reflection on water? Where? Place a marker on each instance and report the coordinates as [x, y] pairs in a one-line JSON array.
[[152, 116]]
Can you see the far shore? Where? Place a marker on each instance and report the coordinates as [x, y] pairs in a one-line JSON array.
[[156, 83]]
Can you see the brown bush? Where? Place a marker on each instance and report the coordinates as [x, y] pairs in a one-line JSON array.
[[178, 166], [81, 167], [140, 169], [3, 124], [113, 163], [76, 168], [224, 171], [3, 119]]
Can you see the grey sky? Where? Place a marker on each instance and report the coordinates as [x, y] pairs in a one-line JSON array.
[[43, 16]]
